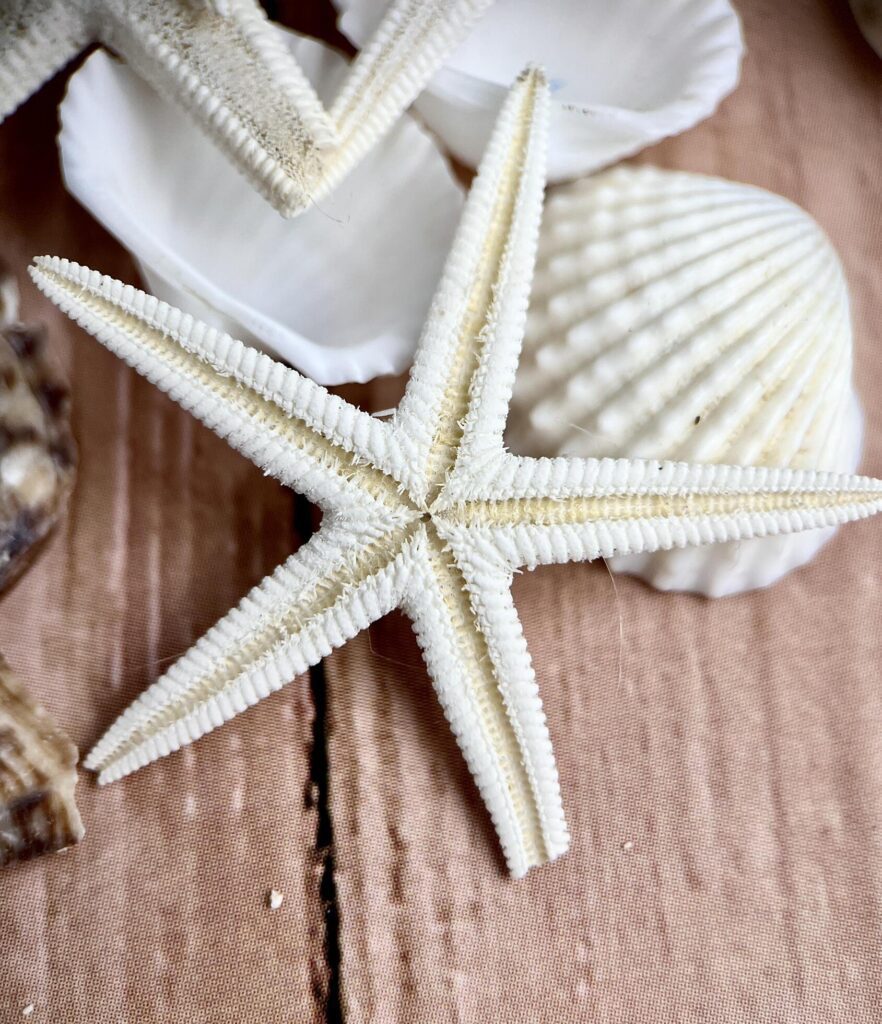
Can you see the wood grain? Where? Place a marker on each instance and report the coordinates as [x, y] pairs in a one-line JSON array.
[[721, 766], [160, 914]]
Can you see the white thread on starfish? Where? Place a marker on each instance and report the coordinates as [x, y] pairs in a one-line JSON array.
[[226, 64], [426, 511]]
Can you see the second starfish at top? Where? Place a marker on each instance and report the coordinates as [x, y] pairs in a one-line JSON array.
[[229, 67]]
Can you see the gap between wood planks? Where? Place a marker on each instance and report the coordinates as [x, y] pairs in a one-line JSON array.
[[319, 785]]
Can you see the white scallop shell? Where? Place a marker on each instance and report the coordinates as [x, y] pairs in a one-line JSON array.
[[683, 317], [624, 74], [341, 292]]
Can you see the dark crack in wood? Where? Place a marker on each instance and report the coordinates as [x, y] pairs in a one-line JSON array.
[[319, 796]]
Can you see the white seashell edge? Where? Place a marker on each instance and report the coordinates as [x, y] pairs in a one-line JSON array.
[[615, 90], [199, 232]]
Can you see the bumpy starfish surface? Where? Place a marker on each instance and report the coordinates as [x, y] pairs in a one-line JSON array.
[[225, 63], [427, 512]]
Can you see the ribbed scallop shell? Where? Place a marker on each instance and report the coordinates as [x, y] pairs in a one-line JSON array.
[[680, 316]]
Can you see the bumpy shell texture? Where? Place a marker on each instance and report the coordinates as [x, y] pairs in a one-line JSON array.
[[37, 778], [37, 451], [678, 316]]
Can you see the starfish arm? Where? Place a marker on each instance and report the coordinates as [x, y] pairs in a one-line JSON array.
[[337, 584], [568, 509], [464, 617], [37, 37], [410, 43], [457, 396], [323, 447], [232, 71]]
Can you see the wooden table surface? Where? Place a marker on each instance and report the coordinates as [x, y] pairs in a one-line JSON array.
[[721, 768]]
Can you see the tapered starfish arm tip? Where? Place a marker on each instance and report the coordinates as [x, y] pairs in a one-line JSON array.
[[288, 622], [427, 512], [253, 402]]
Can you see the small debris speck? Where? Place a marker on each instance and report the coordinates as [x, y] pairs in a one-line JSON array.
[[697, 420], [628, 845], [28, 1010], [275, 899]]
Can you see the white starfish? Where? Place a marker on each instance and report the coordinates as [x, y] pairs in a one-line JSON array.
[[426, 512], [225, 63]]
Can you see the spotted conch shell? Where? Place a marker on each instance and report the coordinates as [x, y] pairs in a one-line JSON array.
[[37, 450], [37, 778], [37, 457]]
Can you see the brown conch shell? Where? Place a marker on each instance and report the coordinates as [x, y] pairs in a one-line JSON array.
[[37, 778], [37, 452]]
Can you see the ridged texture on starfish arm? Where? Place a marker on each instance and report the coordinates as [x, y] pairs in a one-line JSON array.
[[237, 79], [426, 512], [37, 37], [224, 62], [542, 511], [285, 423], [340, 582], [470, 634], [411, 41], [468, 352]]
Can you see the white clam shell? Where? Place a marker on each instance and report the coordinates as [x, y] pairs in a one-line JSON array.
[[624, 74], [341, 292], [683, 317]]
